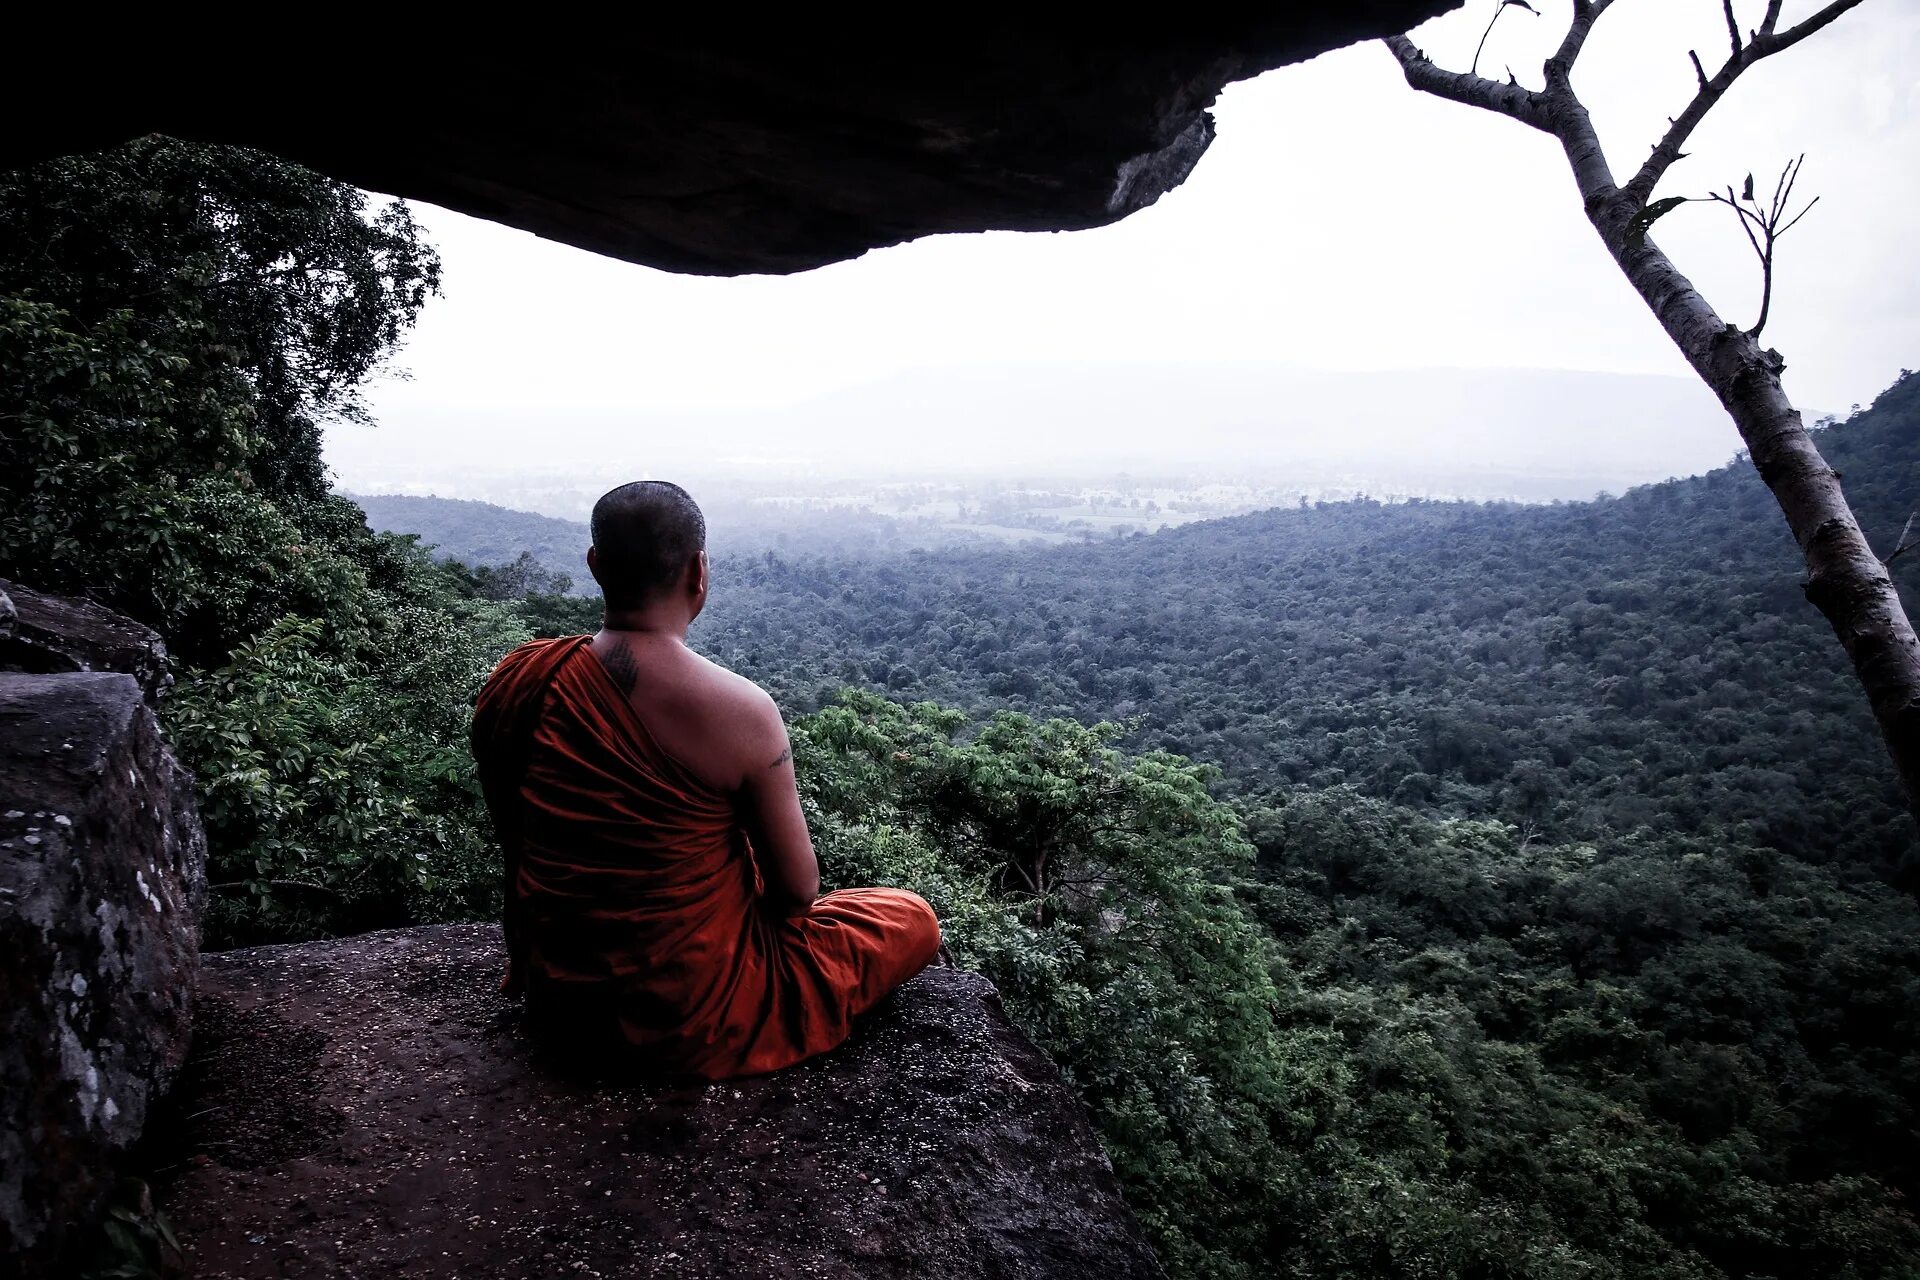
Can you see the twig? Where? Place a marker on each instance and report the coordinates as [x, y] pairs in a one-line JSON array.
[[1498, 9], [1764, 227], [1901, 544], [276, 884], [1765, 43]]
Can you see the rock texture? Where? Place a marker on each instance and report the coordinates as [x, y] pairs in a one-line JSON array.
[[716, 144], [102, 881], [53, 633], [368, 1107]]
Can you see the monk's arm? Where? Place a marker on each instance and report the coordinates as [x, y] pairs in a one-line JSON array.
[[779, 828]]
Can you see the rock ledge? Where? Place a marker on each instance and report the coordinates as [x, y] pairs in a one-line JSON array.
[[368, 1106]]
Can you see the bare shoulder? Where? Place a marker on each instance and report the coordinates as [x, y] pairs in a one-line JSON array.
[[735, 696]]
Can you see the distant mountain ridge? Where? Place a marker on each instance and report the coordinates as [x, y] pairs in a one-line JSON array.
[[1532, 433], [480, 533]]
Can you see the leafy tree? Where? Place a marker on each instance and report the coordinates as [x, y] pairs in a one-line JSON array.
[[522, 576], [549, 614], [335, 783], [178, 320]]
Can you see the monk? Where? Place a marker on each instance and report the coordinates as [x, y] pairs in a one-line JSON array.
[[662, 890]]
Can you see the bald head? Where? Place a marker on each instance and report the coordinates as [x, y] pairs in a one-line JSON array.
[[645, 535]]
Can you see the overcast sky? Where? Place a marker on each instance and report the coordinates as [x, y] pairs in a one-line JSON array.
[[1341, 221]]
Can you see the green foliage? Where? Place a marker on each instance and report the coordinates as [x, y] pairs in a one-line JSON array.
[[132, 1240], [519, 577], [1400, 1046], [176, 321], [335, 780], [1093, 889], [252, 271], [552, 614]]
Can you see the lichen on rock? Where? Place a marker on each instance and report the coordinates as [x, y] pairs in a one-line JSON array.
[[102, 885]]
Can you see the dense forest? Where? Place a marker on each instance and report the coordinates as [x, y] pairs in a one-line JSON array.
[[1641, 662], [1646, 661], [1428, 890]]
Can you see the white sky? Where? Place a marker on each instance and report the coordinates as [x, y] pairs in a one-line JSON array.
[[1341, 221]]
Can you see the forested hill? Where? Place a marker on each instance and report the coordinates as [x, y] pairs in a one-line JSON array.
[[480, 533], [1642, 660]]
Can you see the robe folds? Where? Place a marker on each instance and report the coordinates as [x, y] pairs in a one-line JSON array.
[[635, 909]]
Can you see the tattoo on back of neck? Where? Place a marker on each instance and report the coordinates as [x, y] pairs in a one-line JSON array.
[[618, 660]]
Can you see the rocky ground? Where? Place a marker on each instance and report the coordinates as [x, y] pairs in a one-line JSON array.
[[369, 1107]]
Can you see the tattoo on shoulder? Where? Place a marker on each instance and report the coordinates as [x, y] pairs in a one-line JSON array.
[[618, 661], [783, 757]]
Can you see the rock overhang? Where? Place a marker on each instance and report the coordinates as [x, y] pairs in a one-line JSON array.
[[716, 146]]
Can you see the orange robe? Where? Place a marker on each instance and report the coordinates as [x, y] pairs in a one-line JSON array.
[[634, 904]]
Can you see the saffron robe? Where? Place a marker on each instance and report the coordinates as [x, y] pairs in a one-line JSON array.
[[634, 905]]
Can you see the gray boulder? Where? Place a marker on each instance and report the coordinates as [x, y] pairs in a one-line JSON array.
[[44, 633], [102, 883], [369, 1106]]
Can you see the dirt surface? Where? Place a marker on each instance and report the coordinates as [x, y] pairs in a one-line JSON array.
[[369, 1107]]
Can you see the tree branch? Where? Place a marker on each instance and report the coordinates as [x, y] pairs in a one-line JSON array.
[[1560, 65], [1901, 545], [308, 886], [1699, 72], [1765, 43], [1511, 100]]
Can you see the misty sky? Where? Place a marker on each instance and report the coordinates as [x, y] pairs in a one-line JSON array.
[[1341, 222]]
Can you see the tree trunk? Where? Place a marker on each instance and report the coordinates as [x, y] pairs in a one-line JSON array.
[[1846, 581]]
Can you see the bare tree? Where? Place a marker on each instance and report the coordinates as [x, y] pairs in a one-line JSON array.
[[1845, 580]]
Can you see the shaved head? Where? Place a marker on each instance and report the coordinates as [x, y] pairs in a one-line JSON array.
[[644, 536]]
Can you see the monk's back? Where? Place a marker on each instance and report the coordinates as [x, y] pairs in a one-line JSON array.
[[630, 859], [640, 907], [696, 710], [661, 884]]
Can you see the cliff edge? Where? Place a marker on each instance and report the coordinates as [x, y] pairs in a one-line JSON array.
[[368, 1106]]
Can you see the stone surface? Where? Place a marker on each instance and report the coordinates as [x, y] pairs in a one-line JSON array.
[[46, 633], [704, 142], [102, 881], [369, 1107]]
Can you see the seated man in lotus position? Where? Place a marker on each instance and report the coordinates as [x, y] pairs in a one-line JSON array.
[[662, 889]]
